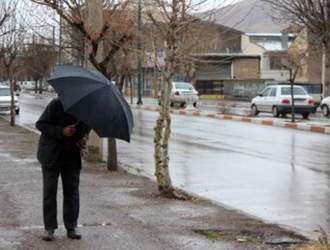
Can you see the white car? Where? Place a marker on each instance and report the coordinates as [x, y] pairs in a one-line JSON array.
[[276, 99], [325, 104], [182, 93], [5, 100]]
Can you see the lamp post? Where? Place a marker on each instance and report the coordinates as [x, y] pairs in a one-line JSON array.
[[60, 51], [139, 48]]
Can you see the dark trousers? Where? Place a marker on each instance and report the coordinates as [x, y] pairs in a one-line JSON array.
[[70, 182]]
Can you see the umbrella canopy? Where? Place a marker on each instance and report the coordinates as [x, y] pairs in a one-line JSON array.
[[94, 100]]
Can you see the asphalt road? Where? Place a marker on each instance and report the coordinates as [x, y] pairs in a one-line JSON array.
[[277, 174]]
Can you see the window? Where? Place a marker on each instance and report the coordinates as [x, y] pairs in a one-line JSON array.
[[266, 92], [313, 88], [296, 91], [183, 85], [273, 92], [4, 92]]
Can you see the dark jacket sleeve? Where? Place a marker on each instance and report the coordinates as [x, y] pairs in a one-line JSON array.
[[82, 131], [47, 121]]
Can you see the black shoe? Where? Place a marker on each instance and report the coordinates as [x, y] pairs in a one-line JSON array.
[[49, 235], [72, 234]]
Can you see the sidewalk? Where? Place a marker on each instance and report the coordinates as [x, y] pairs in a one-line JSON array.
[[118, 210]]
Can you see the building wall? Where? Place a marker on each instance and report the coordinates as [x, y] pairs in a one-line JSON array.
[[207, 71], [311, 66], [276, 75], [249, 47], [246, 68], [314, 60], [242, 89]]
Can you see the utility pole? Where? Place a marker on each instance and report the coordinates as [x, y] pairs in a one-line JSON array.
[[54, 43], [60, 37], [139, 48]]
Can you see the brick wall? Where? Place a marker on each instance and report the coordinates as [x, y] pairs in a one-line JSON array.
[[246, 68], [314, 60]]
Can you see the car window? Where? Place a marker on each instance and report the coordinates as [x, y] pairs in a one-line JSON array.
[[313, 88], [183, 85], [273, 92], [265, 92], [296, 91], [4, 92]]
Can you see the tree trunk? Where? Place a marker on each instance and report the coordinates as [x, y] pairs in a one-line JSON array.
[[326, 69], [131, 88], [12, 103], [162, 135], [40, 87], [36, 86], [112, 163], [293, 116]]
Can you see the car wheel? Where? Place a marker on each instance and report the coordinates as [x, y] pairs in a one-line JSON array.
[[17, 111], [254, 110], [182, 104], [172, 104], [305, 115], [195, 104], [325, 110], [275, 112]]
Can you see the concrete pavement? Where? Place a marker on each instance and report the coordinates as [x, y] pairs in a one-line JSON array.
[[118, 210]]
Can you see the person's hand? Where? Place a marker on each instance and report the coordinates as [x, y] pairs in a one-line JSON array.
[[69, 131], [82, 143]]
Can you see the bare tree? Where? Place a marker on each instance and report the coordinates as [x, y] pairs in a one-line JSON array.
[[38, 59], [6, 11], [294, 62], [175, 26], [11, 43], [315, 16], [102, 45]]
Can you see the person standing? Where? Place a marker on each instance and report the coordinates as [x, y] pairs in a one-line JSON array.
[[59, 152]]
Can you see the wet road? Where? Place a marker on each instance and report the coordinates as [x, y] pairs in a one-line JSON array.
[[276, 174]]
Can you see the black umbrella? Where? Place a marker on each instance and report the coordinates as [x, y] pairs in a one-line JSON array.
[[94, 100]]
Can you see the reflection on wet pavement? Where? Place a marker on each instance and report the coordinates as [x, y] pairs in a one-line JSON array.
[[277, 174]]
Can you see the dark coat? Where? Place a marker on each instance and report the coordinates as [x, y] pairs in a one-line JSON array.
[[54, 148]]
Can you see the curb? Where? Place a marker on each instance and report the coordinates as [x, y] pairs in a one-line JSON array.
[[22, 125], [265, 122]]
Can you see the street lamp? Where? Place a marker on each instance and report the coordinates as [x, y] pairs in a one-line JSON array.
[[60, 37], [139, 48]]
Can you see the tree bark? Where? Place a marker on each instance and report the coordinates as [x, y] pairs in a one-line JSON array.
[[293, 116], [35, 86], [40, 87], [326, 69], [162, 135], [12, 103], [112, 164]]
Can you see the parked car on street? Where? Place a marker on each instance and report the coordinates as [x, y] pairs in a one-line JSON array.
[[5, 100], [315, 91], [276, 99], [325, 105], [182, 93]]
